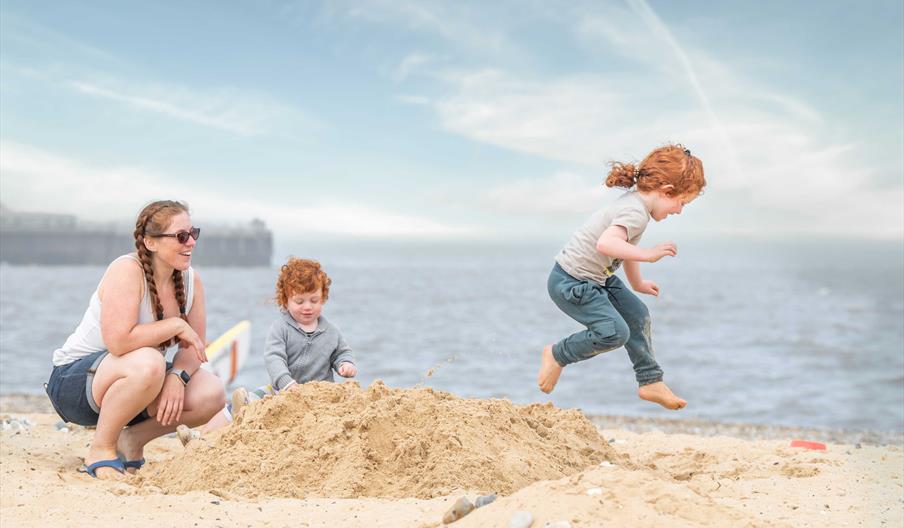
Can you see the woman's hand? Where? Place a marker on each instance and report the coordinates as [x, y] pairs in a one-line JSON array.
[[171, 400], [666, 249], [347, 370], [647, 286], [188, 338]]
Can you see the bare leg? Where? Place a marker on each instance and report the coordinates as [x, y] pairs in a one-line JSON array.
[[550, 370], [204, 398], [187, 434], [219, 420], [239, 398], [660, 393], [123, 386]]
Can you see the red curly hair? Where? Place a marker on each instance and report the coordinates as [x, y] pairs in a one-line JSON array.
[[301, 276], [669, 165]]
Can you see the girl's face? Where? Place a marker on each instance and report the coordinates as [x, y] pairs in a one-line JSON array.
[[665, 206], [305, 307]]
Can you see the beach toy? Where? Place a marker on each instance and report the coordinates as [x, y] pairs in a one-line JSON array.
[[227, 354], [806, 444]]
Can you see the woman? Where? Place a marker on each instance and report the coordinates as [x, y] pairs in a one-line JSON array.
[[112, 370]]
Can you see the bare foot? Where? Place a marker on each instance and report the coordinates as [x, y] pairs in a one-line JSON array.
[[129, 449], [186, 434], [239, 400], [550, 371], [660, 393], [103, 473]]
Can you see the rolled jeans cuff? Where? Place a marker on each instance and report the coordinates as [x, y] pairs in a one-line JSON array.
[[558, 355], [647, 381]]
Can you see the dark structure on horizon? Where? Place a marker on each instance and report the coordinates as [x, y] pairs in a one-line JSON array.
[[57, 239]]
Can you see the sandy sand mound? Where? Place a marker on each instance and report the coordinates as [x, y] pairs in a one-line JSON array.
[[337, 440]]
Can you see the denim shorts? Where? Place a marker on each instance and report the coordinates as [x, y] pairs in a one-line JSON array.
[[69, 389]]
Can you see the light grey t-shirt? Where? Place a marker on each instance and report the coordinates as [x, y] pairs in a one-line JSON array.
[[580, 258]]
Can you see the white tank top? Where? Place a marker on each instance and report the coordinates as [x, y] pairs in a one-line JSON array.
[[87, 338]]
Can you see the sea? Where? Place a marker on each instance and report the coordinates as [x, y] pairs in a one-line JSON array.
[[797, 333]]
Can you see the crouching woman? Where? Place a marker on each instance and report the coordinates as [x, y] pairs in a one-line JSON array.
[[112, 372]]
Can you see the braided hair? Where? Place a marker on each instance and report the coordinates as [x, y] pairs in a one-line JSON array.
[[154, 218]]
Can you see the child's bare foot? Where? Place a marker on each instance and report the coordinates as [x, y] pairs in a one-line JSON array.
[[239, 400], [186, 434], [660, 393], [550, 370]]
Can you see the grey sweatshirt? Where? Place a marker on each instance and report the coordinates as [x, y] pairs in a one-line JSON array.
[[291, 354]]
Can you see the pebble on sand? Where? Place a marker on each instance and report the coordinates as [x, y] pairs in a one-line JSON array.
[[458, 510], [15, 423], [521, 519], [483, 500]]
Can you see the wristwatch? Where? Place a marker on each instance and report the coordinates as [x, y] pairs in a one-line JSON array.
[[183, 376]]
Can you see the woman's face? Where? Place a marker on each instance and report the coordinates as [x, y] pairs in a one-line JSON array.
[[169, 250]]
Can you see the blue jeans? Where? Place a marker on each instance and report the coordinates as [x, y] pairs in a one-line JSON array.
[[614, 317]]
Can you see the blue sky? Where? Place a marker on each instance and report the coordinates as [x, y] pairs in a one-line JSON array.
[[454, 120]]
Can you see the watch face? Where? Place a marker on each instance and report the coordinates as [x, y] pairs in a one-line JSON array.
[[185, 377]]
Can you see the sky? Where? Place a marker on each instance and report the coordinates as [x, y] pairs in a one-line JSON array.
[[421, 120]]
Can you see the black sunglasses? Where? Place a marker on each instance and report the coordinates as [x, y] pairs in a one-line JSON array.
[[182, 236]]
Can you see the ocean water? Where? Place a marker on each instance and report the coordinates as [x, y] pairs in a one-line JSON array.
[[773, 333]]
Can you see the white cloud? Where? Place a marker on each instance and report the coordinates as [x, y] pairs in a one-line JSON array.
[[566, 119], [766, 149], [29, 175], [564, 193], [224, 109], [465, 28], [411, 63]]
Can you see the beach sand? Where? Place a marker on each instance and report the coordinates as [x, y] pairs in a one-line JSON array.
[[341, 456]]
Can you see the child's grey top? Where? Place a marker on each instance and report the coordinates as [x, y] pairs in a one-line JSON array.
[[292, 354], [580, 258]]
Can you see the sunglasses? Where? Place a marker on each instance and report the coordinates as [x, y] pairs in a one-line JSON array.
[[182, 236]]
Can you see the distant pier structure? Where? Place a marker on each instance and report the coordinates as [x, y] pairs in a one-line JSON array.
[[61, 239]]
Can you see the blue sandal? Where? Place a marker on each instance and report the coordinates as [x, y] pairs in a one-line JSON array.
[[133, 464], [130, 464], [92, 469]]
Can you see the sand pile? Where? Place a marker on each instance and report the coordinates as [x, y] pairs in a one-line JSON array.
[[337, 440]]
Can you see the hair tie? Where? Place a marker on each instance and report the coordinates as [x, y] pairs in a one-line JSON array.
[[636, 173], [687, 152]]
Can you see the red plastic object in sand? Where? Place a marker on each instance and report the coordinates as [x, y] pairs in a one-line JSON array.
[[806, 444]]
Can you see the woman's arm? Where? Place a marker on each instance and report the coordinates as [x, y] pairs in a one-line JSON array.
[[197, 318], [189, 358], [120, 295]]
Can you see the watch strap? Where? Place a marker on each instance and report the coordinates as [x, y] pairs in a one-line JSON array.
[[183, 376]]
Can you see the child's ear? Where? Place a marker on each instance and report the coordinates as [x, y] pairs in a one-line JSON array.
[[667, 189]]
